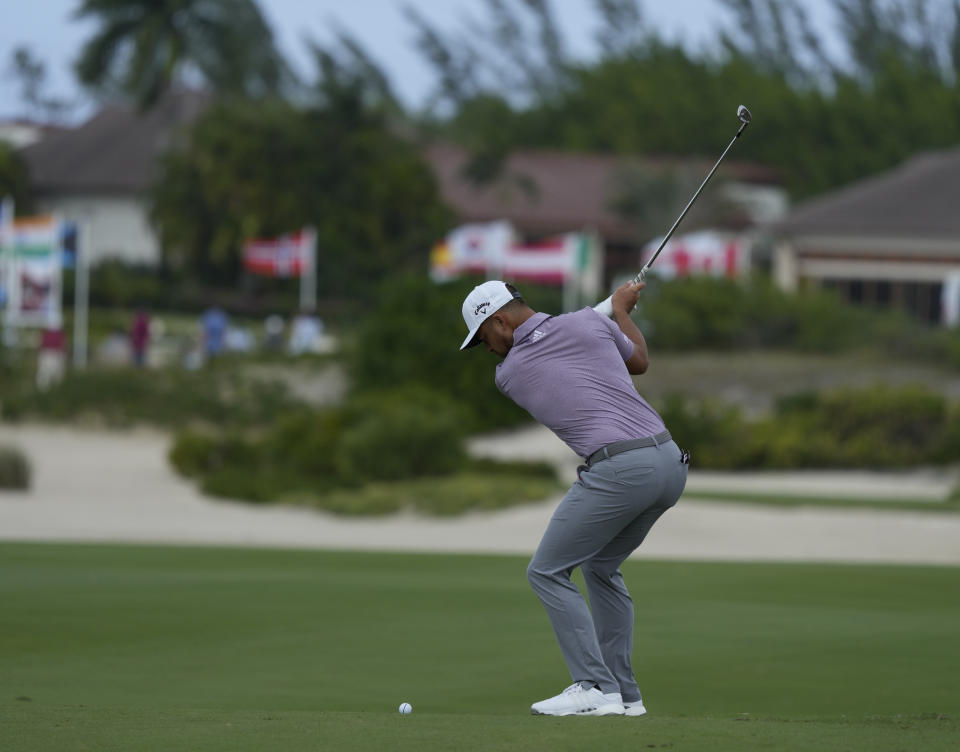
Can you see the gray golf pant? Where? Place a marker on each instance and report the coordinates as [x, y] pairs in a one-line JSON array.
[[601, 520]]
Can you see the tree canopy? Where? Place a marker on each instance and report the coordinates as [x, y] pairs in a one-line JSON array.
[[253, 170], [340, 152], [142, 48], [14, 181], [507, 82]]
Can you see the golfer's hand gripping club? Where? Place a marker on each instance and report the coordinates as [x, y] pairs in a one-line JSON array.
[[743, 114], [624, 298]]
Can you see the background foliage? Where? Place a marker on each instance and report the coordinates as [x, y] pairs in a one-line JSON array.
[[258, 170], [341, 152], [720, 314], [14, 468], [880, 427], [169, 397], [823, 118], [379, 452], [412, 335]]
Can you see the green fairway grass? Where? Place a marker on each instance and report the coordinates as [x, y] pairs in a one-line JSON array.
[[160, 648]]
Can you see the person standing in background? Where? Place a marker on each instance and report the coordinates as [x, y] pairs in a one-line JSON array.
[[214, 323], [140, 337], [52, 356]]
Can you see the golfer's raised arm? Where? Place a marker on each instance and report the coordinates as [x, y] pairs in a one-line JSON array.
[[625, 300]]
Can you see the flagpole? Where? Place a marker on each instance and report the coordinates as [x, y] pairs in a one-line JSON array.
[[308, 274], [12, 314], [81, 294], [7, 212]]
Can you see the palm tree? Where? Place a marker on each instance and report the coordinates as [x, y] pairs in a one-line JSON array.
[[145, 47]]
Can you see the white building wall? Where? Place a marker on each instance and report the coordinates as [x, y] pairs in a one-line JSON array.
[[19, 134], [763, 203], [118, 226]]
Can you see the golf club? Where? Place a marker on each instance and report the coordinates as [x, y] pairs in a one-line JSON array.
[[743, 114]]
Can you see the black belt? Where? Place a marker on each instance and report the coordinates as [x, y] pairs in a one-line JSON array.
[[617, 447]]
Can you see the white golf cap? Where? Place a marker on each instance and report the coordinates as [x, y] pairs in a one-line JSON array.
[[484, 301]]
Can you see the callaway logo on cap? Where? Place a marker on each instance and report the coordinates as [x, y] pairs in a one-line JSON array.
[[479, 305]]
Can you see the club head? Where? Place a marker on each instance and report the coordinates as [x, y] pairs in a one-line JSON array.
[[744, 114]]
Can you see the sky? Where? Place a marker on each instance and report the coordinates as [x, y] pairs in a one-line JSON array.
[[52, 35]]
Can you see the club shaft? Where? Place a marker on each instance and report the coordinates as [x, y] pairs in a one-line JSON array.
[[666, 238], [605, 307]]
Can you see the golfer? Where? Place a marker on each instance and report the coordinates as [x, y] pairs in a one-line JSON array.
[[572, 373]]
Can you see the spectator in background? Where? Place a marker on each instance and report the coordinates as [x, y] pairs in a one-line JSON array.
[[305, 333], [140, 337], [52, 357], [239, 339], [273, 328], [214, 323]]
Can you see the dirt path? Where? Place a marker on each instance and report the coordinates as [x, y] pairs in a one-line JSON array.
[[105, 486]]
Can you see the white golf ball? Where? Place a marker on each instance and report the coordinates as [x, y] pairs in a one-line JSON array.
[[405, 708]]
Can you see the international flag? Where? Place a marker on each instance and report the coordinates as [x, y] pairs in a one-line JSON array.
[[706, 253], [442, 266], [573, 260], [491, 248], [480, 247], [33, 272], [284, 256], [549, 261], [35, 237]]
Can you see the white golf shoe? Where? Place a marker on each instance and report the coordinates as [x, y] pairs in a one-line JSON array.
[[579, 700], [634, 707]]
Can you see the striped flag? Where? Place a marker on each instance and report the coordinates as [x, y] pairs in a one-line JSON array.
[[549, 261], [705, 253], [33, 272], [35, 237], [491, 248], [573, 260], [285, 256]]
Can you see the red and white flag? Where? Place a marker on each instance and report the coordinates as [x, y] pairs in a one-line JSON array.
[[705, 253], [547, 262], [285, 256], [573, 260], [491, 248]]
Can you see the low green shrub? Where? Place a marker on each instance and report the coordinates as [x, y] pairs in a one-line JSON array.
[[305, 443], [197, 454], [513, 468], [716, 434], [402, 433], [722, 314], [878, 427], [377, 453], [413, 336], [252, 483], [443, 496], [413, 333], [14, 469], [162, 397]]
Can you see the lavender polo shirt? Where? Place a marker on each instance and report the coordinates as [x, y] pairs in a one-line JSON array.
[[569, 373]]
